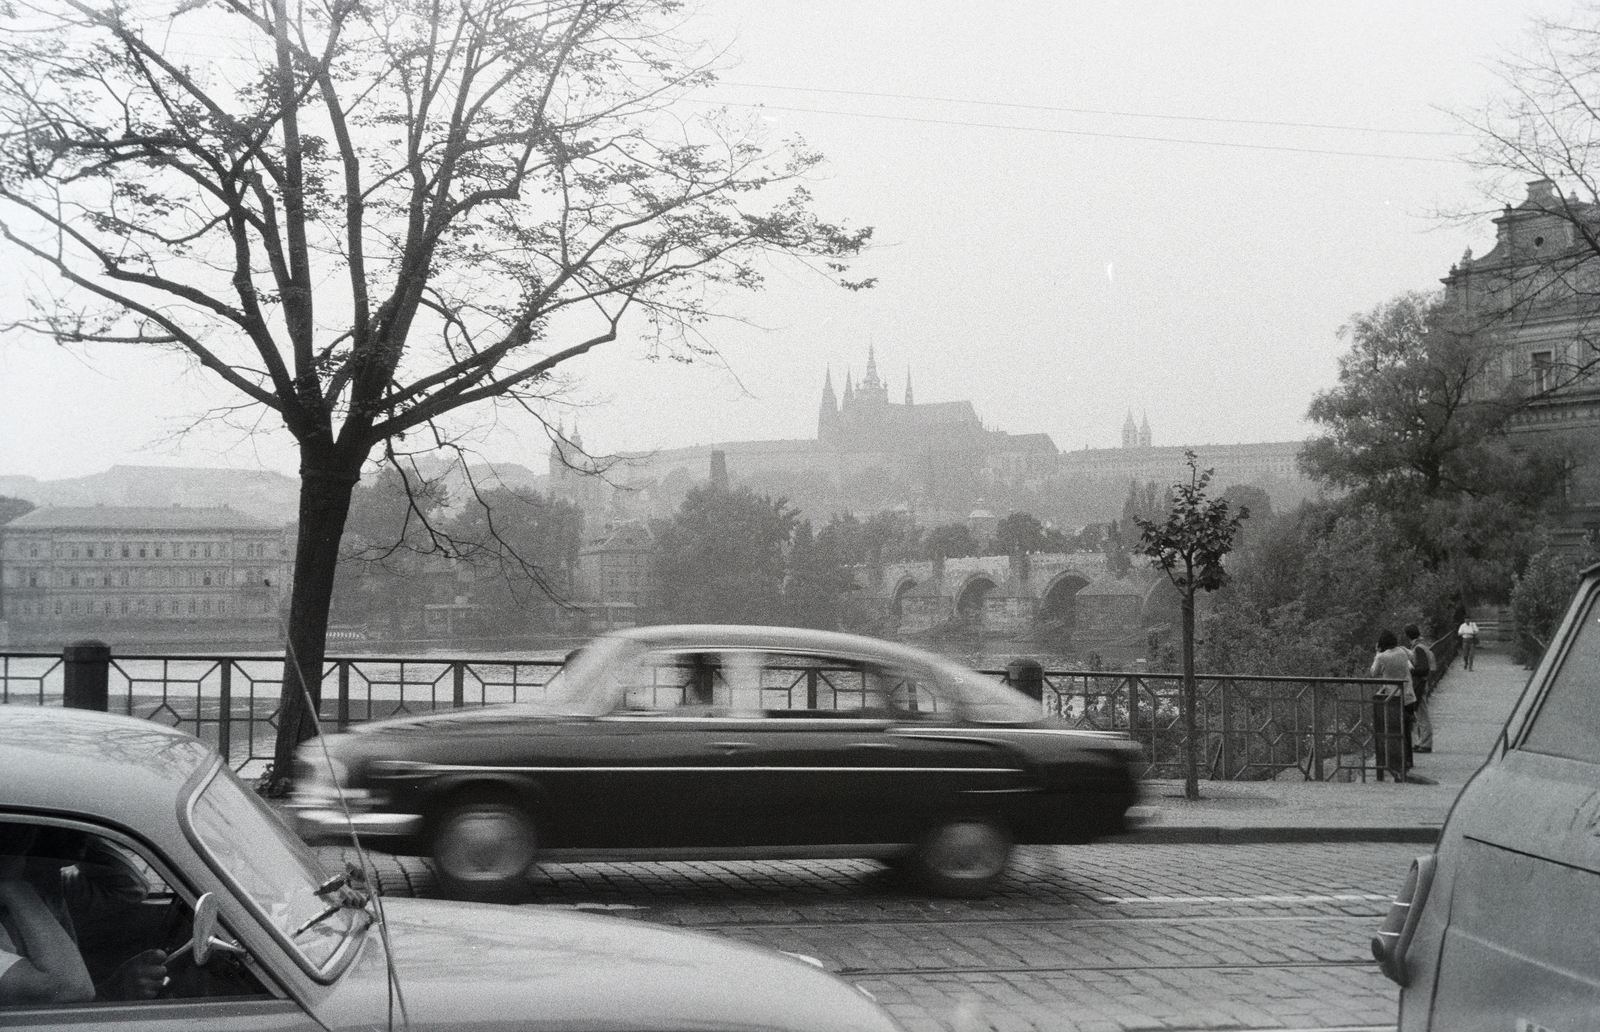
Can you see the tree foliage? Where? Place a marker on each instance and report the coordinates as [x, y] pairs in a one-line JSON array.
[[722, 558], [1190, 546], [360, 218]]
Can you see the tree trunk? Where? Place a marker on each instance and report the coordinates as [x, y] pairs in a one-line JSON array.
[[324, 506], [1191, 739]]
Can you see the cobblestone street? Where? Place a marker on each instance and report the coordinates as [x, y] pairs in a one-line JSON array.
[[1099, 938]]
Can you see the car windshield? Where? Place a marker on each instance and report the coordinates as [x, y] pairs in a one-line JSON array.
[[986, 700], [251, 848], [588, 685]]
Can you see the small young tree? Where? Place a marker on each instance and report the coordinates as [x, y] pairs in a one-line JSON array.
[[1190, 546]]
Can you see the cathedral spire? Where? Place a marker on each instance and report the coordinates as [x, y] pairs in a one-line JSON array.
[[1130, 432], [849, 388], [829, 401], [1144, 431], [871, 379], [908, 385]]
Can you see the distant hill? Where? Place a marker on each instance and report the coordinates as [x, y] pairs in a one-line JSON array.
[[267, 496]]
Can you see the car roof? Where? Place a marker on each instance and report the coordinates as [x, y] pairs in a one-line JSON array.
[[786, 639], [120, 769]]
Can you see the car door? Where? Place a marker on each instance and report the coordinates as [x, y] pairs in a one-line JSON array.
[[116, 900], [652, 773], [1519, 949], [853, 751]]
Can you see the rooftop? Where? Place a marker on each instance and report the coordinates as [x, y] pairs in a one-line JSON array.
[[118, 517]]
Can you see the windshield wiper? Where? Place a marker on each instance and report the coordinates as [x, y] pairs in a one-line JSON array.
[[350, 891]]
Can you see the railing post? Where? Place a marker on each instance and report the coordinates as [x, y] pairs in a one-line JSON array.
[[85, 675], [225, 709], [1316, 732], [1229, 772], [343, 712], [458, 684], [811, 688]]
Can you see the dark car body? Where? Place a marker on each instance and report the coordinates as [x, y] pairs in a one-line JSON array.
[[1494, 929], [167, 799], [710, 741]]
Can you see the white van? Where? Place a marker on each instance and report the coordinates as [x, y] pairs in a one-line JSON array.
[[1500, 927]]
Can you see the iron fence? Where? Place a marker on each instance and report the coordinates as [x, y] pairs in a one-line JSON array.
[[231, 702], [1250, 727]]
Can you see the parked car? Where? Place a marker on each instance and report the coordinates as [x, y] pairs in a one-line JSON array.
[[718, 742], [139, 838], [1493, 929]]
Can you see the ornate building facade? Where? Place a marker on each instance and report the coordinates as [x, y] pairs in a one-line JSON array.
[[128, 575]]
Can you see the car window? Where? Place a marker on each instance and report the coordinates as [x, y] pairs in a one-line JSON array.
[[985, 699], [682, 682], [1568, 720], [251, 848], [89, 921], [796, 684]]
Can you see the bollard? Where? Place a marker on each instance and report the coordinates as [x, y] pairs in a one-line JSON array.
[[85, 672], [1027, 677]]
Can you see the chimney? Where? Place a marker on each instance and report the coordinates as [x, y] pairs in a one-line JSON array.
[[719, 469]]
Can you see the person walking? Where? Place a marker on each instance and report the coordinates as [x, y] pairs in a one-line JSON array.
[[1391, 712], [1468, 633], [1422, 668]]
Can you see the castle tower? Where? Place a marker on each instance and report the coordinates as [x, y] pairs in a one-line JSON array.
[[849, 391], [1144, 431], [1130, 432], [909, 402], [872, 389], [828, 411]]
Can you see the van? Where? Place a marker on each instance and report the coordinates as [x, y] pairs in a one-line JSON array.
[[1497, 928]]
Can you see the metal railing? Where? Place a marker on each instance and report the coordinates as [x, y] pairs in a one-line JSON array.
[[231, 702], [1251, 727]]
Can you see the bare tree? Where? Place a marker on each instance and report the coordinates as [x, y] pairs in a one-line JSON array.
[[361, 216]]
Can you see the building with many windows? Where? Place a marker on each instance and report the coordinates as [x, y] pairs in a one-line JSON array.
[[129, 575]]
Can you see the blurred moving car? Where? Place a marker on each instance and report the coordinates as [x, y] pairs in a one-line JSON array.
[[254, 933], [1493, 930], [728, 742]]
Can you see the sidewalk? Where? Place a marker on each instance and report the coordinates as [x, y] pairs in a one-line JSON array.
[[1468, 709]]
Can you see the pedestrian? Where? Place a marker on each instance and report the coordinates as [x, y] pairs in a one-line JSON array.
[[1468, 633], [1391, 724], [1422, 668]]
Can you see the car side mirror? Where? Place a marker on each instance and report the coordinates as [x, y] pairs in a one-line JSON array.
[[205, 939]]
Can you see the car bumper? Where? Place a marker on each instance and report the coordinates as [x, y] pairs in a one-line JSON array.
[[324, 825]]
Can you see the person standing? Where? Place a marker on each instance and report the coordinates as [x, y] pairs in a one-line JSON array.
[[1392, 663], [1468, 633], [1420, 724]]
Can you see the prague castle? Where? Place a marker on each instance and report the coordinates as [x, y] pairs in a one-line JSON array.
[[936, 461]]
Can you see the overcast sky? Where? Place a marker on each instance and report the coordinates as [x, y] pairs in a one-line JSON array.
[[1045, 245]]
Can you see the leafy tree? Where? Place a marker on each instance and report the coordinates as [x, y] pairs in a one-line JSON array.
[[1540, 599], [1021, 532], [522, 549], [11, 508], [364, 217], [1418, 411], [950, 541], [380, 553], [818, 577], [1190, 546], [722, 558]]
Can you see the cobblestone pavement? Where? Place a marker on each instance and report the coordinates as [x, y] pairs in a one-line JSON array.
[[1101, 938]]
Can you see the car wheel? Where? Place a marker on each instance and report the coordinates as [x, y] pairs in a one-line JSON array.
[[482, 848], [962, 858]]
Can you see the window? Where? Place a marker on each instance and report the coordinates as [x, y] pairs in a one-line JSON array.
[[73, 579], [33, 578], [142, 550], [33, 551], [74, 551], [1542, 367], [125, 551], [208, 550], [206, 579], [191, 607], [115, 904], [124, 607], [158, 551], [1568, 720]]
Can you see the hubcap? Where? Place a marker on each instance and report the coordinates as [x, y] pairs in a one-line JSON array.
[[485, 844], [967, 850]]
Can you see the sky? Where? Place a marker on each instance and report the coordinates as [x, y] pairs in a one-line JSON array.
[[1079, 210]]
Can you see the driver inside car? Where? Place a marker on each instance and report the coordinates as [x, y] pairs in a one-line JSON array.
[[54, 881]]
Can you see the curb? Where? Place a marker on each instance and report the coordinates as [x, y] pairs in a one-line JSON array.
[[1200, 835]]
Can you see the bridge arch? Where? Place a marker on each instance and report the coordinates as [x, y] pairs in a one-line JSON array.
[[897, 601], [1162, 603], [969, 600], [1058, 606]]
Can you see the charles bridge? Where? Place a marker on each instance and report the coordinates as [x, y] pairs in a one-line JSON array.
[[1052, 599]]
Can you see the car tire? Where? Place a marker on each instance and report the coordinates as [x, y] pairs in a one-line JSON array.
[[482, 847], [963, 858]]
